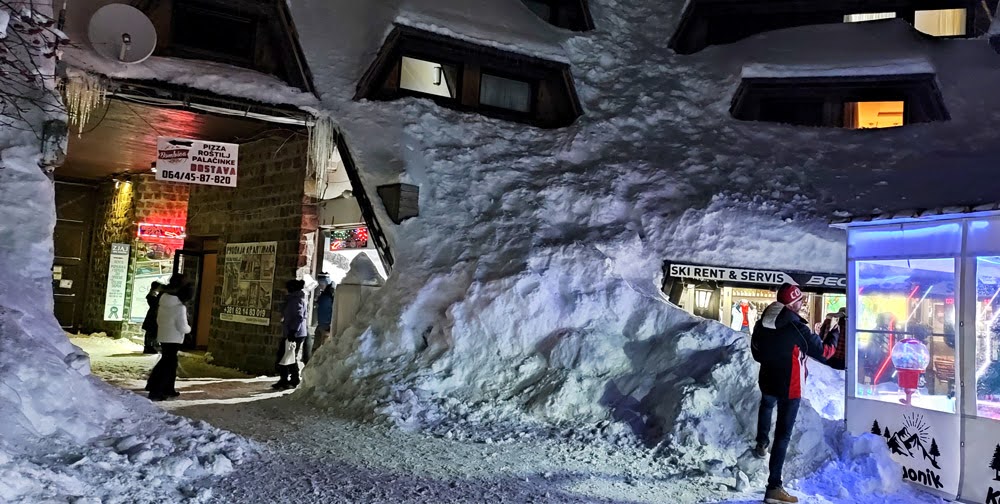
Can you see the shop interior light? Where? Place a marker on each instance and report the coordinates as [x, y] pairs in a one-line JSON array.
[[701, 298]]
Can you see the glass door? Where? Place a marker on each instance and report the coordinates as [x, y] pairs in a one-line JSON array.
[[189, 264]]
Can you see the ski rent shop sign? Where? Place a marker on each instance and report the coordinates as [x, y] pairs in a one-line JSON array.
[[196, 162], [753, 276]]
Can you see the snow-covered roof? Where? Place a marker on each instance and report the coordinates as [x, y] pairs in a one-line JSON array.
[[226, 80]]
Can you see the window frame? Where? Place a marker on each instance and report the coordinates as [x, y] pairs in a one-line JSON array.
[[217, 10], [533, 83], [459, 80]]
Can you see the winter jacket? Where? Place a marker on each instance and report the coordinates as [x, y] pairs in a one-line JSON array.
[[781, 342], [294, 323], [149, 323], [324, 308], [171, 320]]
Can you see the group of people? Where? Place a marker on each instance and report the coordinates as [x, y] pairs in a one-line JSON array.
[[166, 325], [782, 343]]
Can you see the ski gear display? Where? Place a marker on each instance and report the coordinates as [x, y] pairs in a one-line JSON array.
[[744, 316]]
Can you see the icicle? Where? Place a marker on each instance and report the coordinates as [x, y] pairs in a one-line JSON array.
[[84, 94], [322, 147]]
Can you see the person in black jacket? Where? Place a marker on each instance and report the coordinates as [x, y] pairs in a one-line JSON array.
[[149, 323], [781, 342]]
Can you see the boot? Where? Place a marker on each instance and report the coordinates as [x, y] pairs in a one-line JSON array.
[[778, 495], [281, 385], [760, 451]]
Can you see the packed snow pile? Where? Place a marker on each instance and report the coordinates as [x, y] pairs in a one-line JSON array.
[[65, 436], [527, 291]]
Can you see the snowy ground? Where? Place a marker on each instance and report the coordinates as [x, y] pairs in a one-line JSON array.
[[120, 361], [310, 455], [302, 453]]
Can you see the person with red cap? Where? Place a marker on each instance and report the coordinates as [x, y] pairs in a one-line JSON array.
[[781, 342]]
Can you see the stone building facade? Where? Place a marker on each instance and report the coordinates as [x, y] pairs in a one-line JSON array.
[[269, 204]]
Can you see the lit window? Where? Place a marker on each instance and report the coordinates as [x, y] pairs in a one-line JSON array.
[[905, 330], [428, 77], [940, 23], [873, 16], [505, 93], [865, 115], [988, 337]]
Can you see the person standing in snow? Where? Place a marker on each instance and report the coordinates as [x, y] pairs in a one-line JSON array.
[[149, 323], [172, 325], [293, 325], [781, 342], [324, 314]]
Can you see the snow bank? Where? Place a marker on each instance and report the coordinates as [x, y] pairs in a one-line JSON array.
[[65, 436], [527, 291]]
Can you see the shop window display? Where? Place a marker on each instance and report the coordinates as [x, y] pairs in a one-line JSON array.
[[905, 332], [988, 337]]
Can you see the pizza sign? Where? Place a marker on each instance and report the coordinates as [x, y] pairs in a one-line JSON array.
[[197, 162]]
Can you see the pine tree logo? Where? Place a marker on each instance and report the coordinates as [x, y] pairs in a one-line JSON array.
[[934, 453], [995, 463], [887, 434], [876, 429]]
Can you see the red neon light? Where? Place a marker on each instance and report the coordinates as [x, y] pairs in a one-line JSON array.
[[161, 231], [949, 301]]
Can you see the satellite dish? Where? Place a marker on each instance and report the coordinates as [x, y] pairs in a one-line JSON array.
[[122, 33]]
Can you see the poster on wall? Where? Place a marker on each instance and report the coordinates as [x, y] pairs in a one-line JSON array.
[[196, 162], [154, 263], [249, 282], [114, 300]]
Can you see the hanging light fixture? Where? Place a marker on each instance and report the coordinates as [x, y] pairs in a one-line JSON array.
[[702, 296]]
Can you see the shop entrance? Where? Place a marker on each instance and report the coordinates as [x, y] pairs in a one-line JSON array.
[[737, 297], [198, 263]]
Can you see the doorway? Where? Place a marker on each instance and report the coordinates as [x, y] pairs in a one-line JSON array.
[[198, 263], [74, 222]]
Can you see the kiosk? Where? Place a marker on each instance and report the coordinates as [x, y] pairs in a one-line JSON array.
[[924, 347]]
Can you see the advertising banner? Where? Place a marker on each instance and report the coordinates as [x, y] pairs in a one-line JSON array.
[[196, 162], [925, 443], [114, 300], [743, 276], [249, 282]]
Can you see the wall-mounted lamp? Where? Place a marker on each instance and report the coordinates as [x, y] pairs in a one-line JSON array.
[[702, 296]]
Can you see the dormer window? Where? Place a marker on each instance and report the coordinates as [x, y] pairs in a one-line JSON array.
[[713, 22], [465, 76], [569, 14], [936, 22], [209, 32], [258, 35], [851, 102]]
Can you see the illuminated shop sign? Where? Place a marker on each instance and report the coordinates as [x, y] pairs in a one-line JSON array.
[[755, 277], [161, 231], [347, 239]]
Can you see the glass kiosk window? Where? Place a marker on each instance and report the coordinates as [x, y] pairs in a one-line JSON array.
[[988, 337], [905, 332]]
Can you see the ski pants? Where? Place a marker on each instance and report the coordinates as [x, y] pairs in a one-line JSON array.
[[788, 409]]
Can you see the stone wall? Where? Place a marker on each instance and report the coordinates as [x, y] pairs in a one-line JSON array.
[[113, 223], [120, 208], [269, 204]]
